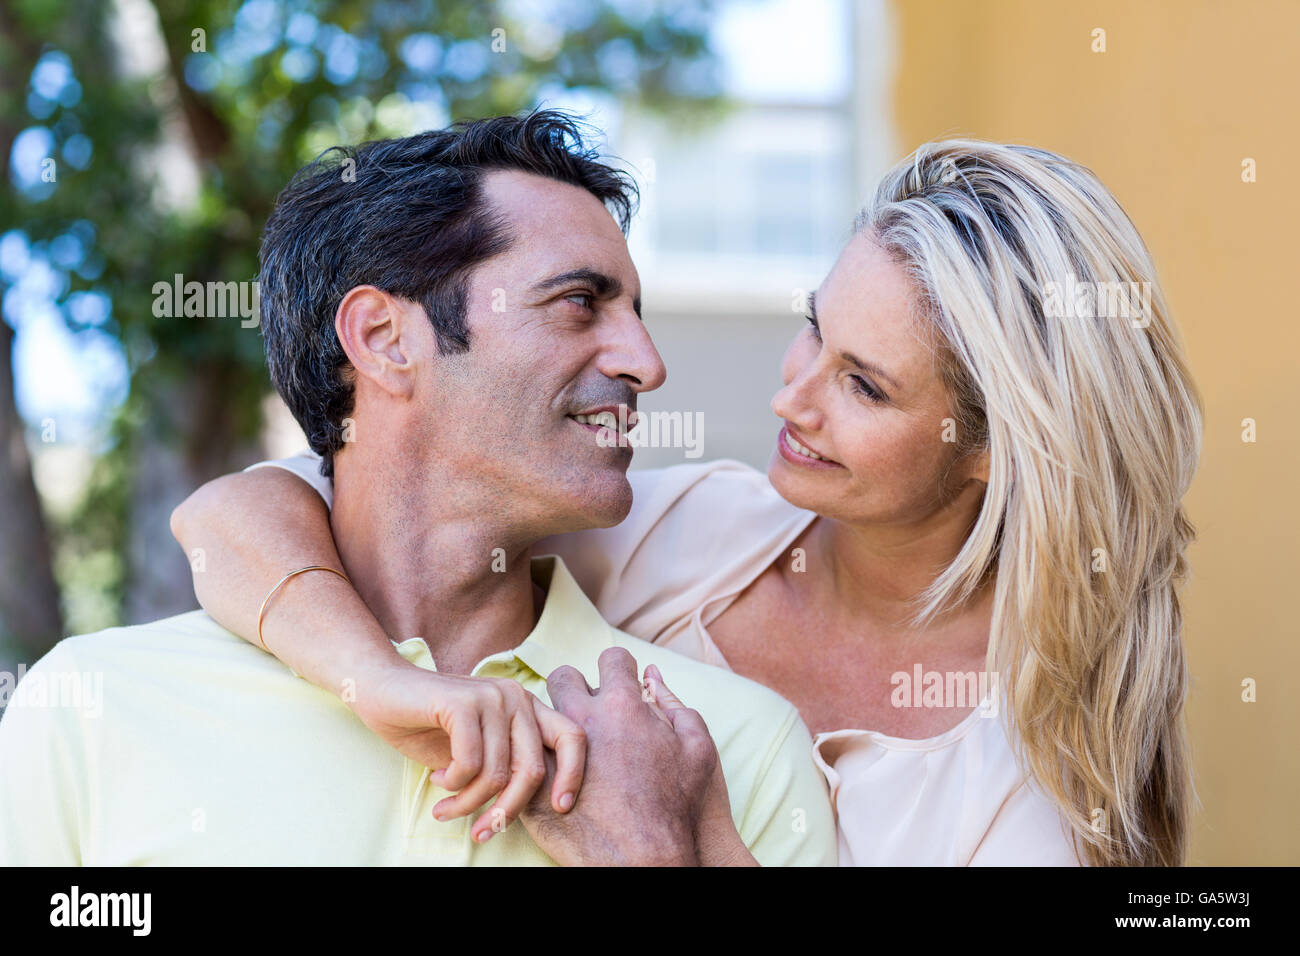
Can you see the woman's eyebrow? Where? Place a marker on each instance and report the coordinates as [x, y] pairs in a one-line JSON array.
[[870, 367]]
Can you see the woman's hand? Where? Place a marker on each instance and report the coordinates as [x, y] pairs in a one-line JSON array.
[[485, 737]]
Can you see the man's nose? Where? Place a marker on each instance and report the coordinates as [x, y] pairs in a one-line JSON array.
[[631, 356]]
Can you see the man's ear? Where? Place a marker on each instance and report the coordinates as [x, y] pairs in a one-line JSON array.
[[379, 338]]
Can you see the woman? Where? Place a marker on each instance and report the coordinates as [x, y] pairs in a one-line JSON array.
[[978, 475]]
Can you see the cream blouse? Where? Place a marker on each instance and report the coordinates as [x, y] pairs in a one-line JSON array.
[[696, 537]]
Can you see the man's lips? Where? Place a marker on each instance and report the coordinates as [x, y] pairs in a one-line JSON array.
[[600, 417]]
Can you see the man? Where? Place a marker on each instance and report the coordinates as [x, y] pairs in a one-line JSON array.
[[443, 314]]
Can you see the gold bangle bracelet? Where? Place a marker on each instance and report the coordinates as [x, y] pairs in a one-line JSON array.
[[279, 584]]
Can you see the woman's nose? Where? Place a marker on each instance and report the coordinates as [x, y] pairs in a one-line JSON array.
[[794, 402]]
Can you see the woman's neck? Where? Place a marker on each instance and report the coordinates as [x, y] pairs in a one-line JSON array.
[[876, 573]]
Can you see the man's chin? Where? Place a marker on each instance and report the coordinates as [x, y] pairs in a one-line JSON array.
[[604, 497], [613, 505]]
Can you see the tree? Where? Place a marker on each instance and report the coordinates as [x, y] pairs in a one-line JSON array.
[[253, 90]]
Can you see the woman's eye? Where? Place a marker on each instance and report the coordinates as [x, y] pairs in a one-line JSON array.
[[812, 325], [865, 388]]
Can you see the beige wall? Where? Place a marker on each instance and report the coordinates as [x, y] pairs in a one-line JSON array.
[[1185, 90]]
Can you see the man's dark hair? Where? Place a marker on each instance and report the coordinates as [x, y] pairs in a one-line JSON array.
[[407, 216]]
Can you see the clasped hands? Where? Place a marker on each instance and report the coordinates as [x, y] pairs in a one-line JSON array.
[[621, 775]]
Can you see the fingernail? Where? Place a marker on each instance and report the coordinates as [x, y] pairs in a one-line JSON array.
[[566, 801], [484, 836]]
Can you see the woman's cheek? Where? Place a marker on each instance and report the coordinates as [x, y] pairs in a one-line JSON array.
[[887, 453]]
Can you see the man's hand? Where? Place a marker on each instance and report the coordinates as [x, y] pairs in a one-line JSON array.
[[484, 737], [647, 777], [717, 841]]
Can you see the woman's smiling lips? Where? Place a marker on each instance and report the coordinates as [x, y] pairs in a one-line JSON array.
[[796, 451]]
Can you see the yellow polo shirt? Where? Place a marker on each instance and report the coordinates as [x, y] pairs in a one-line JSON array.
[[178, 743]]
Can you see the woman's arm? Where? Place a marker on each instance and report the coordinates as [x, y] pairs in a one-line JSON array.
[[243, 532]]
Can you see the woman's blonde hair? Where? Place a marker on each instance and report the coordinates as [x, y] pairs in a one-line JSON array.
[[1056, 345]]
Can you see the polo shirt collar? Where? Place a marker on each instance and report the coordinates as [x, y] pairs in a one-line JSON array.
[[569, 631]]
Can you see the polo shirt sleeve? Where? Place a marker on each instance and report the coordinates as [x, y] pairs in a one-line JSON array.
[[788, 820], [42, 786]]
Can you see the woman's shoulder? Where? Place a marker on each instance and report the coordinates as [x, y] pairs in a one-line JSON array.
[[716, 504], [726, 488], [690, 528], [1024, 827], [983, 810]]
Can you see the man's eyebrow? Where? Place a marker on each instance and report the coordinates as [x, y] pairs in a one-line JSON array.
[[869, 367], [605, 286]]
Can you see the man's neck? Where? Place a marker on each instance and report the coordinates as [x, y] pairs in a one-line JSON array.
[[430, 564]]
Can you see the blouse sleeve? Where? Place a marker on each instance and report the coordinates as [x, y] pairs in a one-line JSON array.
[[1027, 831], [694, 532], [306, 465]]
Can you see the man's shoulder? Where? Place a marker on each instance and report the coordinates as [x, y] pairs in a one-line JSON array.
[[191, 627], [190, 636], [133, 667]]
